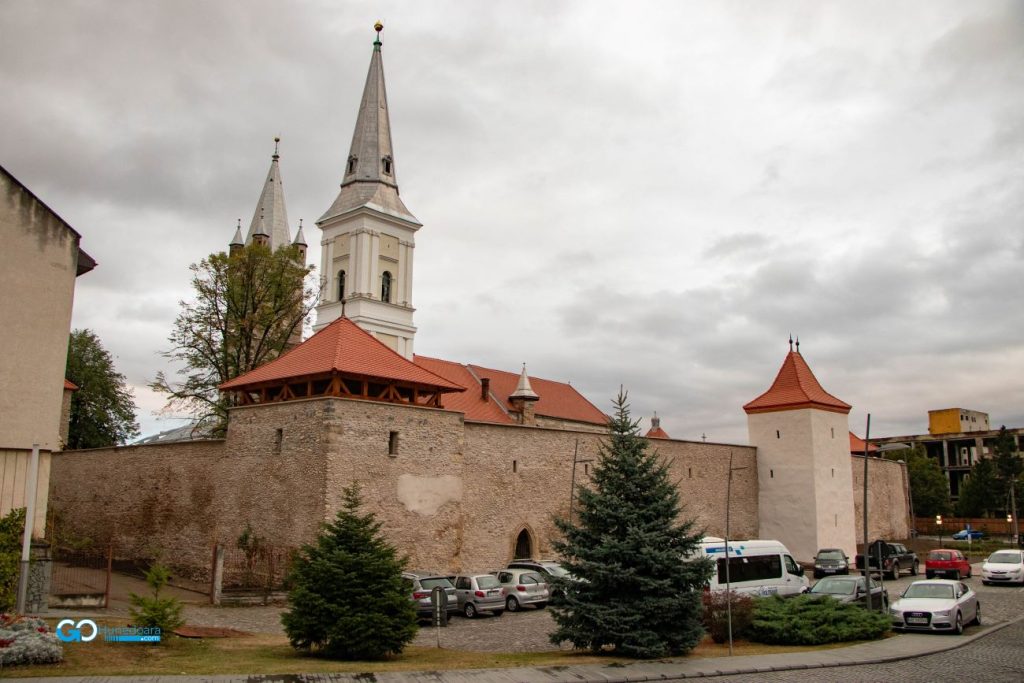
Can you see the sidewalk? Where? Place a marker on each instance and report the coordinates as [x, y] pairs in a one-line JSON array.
[[905, 646]]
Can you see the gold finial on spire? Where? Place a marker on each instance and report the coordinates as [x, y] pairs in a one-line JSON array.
[[378, 27]]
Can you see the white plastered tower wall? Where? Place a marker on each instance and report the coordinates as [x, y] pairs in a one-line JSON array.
[[805, 479], [805, 475], [368, 239]]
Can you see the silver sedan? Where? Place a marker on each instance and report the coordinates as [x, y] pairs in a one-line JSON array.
[[936, 605]]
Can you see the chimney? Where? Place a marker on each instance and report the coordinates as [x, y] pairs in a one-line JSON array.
[[485, 388]]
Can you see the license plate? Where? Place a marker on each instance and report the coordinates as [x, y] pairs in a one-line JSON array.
[[917, 620], [829, 571]]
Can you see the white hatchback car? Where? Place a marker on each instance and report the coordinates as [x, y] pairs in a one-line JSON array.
[[1003, 566], [936, 605]]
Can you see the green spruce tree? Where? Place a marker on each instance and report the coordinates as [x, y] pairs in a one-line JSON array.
[[348, 599], [633, 594]]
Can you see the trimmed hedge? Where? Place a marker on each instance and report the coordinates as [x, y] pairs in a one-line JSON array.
[[25, 640], [803, 620]]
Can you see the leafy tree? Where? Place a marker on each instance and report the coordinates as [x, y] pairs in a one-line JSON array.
[[12, 530], [348, 599], [632, 592], [929, 488], [981, 492], [248, 306], [103, 409], [154, 611], [1008, 464]]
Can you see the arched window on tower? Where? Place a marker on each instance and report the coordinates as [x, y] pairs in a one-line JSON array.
[[386, 163], [341, 285], [385, 287], [351, 164]]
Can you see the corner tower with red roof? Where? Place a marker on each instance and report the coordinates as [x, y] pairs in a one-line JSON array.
[[803, 462], [368, 234]]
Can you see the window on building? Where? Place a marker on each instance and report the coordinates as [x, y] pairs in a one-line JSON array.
[[351, 164], [386, 163], [385, 287], [515, 466], [778, 435], [341, 285], [278, 440], [392, 443]]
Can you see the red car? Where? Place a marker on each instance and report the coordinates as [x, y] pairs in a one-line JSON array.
[[947, 563]]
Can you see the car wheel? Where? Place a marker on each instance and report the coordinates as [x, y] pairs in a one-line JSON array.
[[987, 583], [894, 573], [915, 568], [541, 605], [469, 610], [512, 605], [977, 615], [958, 628], [929, 575], [497, 612], [956, 575], [970, 571]]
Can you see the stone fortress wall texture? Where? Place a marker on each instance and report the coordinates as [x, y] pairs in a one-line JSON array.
[[451, 495]]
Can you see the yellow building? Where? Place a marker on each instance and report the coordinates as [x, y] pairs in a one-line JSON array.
[[957, 421]]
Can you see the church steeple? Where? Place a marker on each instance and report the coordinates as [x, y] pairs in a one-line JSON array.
[[369, 176], [270, 216], [369, 236]]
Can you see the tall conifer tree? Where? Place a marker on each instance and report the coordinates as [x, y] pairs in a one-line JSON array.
[[633, 594]]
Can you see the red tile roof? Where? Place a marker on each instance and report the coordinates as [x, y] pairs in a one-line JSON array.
[[346, 349], [557, 399], [795, 387], [857, 444], [468, 402], [658, 433], [69, 385]]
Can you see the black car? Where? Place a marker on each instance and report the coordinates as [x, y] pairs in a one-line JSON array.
[[421, 588], [830, 561], [850, 589]]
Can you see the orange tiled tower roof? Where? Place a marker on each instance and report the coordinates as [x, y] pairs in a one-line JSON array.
[[656, 432], [796, 387]]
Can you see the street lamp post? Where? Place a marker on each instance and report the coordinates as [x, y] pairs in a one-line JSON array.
[[728, 582], [938, 523], [1009, 526]]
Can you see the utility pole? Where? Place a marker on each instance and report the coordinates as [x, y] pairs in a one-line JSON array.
[[867, 550]]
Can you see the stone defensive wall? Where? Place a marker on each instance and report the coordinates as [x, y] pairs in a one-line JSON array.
[[888, 499], [450, 495]]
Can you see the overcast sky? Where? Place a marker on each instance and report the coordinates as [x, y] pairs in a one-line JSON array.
[[647, 194]]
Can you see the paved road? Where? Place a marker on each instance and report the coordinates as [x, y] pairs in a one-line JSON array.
[[995, 658]]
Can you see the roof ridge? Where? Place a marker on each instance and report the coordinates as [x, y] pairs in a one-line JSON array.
[[390, 350]]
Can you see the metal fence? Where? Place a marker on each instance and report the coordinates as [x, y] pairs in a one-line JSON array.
[[80, 577], [261, 570]]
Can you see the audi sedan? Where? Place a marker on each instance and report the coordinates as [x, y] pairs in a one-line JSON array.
[[936, 605]]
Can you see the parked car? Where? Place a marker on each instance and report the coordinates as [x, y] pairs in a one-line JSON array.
[[936, 605], [478, 593], [549, 569], [895, 558], [965, 534], [523, 587], [1003, 566], [947, 563], [421, 587], [830, 561], [850, 589]]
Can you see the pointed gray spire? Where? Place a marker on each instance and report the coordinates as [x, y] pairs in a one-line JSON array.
[[523, 389], [236, 241], [300, 238], [370, 179], [270, 210]]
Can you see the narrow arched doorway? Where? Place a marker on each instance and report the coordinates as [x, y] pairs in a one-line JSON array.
[[524, 546]]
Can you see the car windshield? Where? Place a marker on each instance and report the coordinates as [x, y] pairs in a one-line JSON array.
[[436, 581], [834, 587], [1005, 558], [487, 581], [554, 569], [940, 555], [831, 555], [929, 590]]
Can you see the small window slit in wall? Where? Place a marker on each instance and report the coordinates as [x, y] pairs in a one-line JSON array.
[[278, 439], [392, 443], [689, 472], [586, 468], [778, 435], [515, 465], [833, 472], [833, 432], [771, 474]]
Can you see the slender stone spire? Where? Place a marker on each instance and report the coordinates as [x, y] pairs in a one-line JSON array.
[[370, 179], [270, 214], [236, 241], [300, 238]]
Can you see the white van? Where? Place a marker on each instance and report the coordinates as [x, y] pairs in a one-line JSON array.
[[755, 567]]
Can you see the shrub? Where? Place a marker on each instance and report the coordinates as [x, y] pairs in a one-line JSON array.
[[804, 620], [12, 526], [27, 641], [716, 616], [157, 612], [348, 600]]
